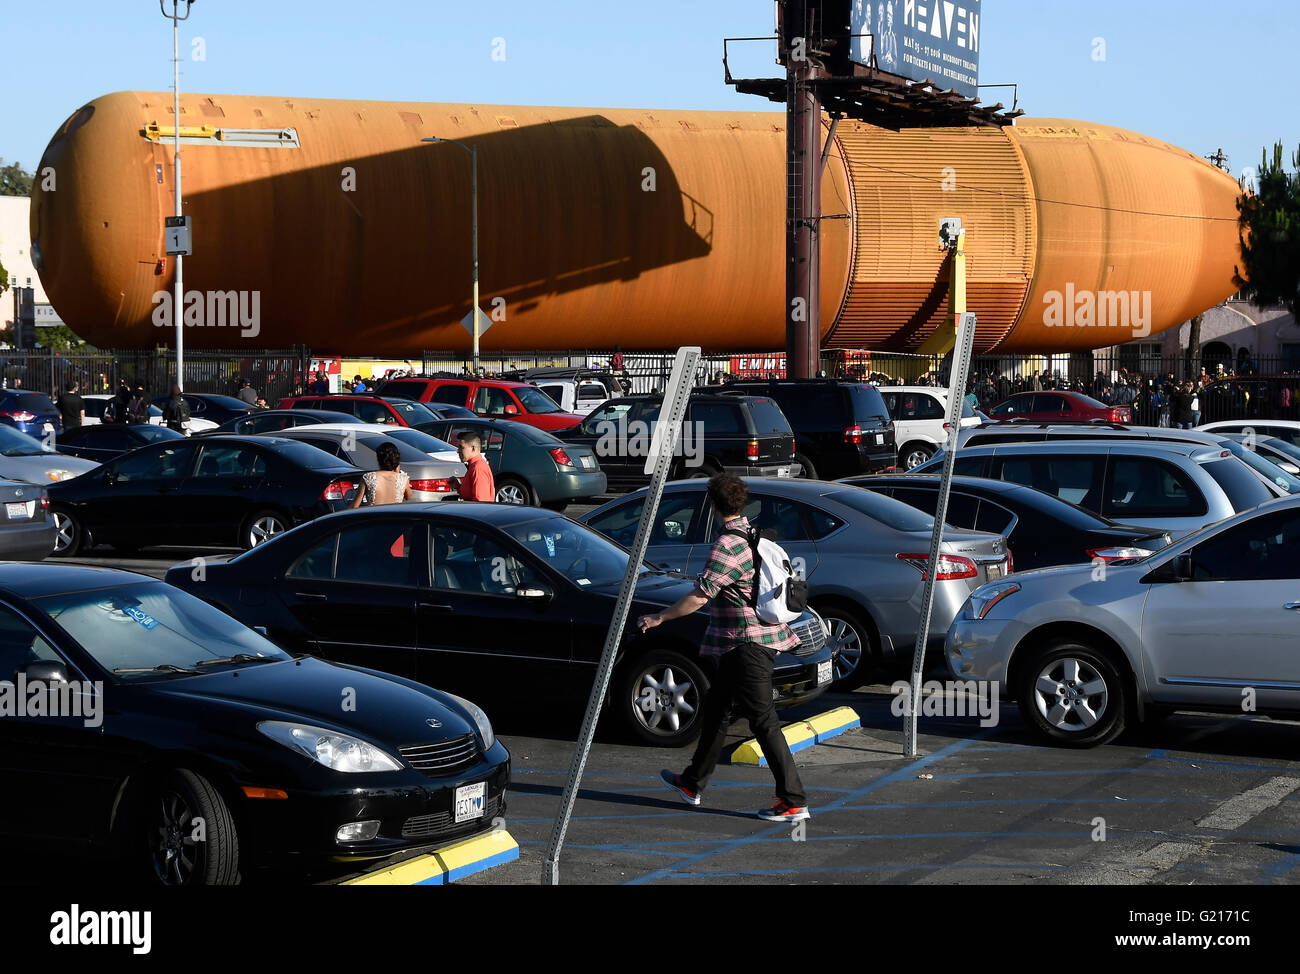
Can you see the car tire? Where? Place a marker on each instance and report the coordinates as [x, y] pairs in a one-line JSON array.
[[913, 454], [187, 832], [260, 526], [846, 627], [809, 471], [512, 490], [660, 697], [1072, 694], [69, 534]]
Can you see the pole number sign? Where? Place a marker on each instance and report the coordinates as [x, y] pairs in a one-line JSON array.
[[176, 231]]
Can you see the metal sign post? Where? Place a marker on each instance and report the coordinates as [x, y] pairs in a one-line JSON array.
[[658, 463], [956, 392]]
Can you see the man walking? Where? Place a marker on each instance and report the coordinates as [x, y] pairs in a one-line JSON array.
[[71, 407], [477, 484], [745, 649]]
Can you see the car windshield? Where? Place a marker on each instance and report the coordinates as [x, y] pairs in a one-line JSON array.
[[535, 401], [886, 510], [16, 444], [413, 412], [421, 441], [150, 624], [576, 552]]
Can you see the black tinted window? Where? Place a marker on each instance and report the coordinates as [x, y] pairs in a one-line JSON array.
[[376, 553], [1242, 487], [868, 404], [1076, 479], [453, 392], [677, 516], [814, 407], [993, 518], [719, 418], [1145, 487], [1264, 548]]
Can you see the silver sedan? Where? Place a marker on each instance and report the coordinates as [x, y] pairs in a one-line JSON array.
[[1208, 623], [430, 478]]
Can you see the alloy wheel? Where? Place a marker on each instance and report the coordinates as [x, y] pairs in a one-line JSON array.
[[664, 702], [175, 850], [846, 639], [511, 494], [264, 528], [65, 532], [1070, 694]]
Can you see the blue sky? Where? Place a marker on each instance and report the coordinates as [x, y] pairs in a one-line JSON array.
[[1197, 73]]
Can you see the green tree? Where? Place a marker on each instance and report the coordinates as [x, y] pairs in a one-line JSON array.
[[14, 180], [1269, 221], [4, 279]]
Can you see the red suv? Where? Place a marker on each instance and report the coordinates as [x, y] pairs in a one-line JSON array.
[[1058, 407], [487, 397]]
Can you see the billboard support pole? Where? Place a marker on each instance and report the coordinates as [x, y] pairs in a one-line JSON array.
[[663, 446], [956, 392]]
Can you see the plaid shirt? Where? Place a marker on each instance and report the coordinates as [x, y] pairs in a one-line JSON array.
[[727, 582]]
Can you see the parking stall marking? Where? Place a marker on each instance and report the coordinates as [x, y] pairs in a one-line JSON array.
[[1237, 811]]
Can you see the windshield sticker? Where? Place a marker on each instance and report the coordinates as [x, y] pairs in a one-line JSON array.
[[583, 581], [550, 547], [140, 616]]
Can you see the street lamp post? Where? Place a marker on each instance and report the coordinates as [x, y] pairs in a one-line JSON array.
[[472, 149], [176, 18]]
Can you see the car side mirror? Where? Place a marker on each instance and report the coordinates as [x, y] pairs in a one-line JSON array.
[[533, 593], [110, 478], [44, 671], [512, 410], [1183, 567]]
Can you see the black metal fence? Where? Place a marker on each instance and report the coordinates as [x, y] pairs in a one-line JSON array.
[[272, 373]]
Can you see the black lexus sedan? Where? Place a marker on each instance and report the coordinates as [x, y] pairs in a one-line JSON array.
[[142, 723], [475, 597], [214, 490]]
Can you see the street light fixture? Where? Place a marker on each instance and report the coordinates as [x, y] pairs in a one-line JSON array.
[[176, 18], [474, 313]]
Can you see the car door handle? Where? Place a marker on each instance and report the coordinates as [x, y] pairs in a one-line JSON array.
[[1291, 605], [434, 606], [311, 596]]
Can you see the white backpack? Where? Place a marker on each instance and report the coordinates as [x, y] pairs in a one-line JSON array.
[[778, 597]]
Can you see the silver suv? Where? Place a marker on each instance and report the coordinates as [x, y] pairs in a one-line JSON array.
[[1179, 487], [1208, 623]]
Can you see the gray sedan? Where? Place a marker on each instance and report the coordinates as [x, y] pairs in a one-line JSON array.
[[1208, 623], [863, 555], [26, 528], [430, 478], [31, 461]]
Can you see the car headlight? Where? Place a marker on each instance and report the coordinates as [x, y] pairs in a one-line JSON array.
[[480, 718], [986, 597], [341, 752], [57, 475]]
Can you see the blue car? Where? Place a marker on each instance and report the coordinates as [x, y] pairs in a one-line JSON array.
[[30, 412]]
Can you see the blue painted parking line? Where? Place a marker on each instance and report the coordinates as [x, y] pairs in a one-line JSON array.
[[1224, 764], [1081, 771], [999, 802], [879, 868], [901, 774]]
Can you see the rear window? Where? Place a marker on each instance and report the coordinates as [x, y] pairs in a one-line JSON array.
[[1242, 487], [454, 393], [303, 455], [886, 510], [410, 390], [814, 407], [868, 404], [33, 402], [718, 418], [1089, 401], [768, 418]]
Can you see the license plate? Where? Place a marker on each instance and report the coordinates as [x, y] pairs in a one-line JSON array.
[[823, 673], [880, 438], [18, 510], [588, 462], [997, 571], [469, 801], [48, 427], [783, 471]]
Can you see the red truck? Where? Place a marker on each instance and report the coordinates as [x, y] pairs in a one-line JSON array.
[[487, 397]]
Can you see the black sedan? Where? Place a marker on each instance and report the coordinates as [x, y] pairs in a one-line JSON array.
[[477, 595], [1041, 530], [218, 490], [109, 441], [272, 420], [193, 748]]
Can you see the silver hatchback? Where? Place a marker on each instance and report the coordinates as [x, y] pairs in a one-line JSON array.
[[1208, 623]]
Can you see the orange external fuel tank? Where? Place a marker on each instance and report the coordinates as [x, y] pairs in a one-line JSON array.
[[650, 229]]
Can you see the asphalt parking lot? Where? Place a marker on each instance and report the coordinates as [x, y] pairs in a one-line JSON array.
[[1196, 799]]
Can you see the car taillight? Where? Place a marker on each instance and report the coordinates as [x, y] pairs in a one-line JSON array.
[[853, 435], [432, 486], [559, 456], [1011, 562], [751, 450], [951, 567], [21, 416], [45, 502], [1119, 415], [1117, 553], [338, 491]]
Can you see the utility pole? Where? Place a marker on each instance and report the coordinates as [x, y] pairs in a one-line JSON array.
[[177, 301]]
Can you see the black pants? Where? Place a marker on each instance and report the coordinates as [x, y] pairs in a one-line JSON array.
[[743, 687]]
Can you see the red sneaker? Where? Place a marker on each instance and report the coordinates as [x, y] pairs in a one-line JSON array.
[[783, 812], [674, 783]]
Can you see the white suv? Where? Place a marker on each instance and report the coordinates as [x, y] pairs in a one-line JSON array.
[[919, 413]]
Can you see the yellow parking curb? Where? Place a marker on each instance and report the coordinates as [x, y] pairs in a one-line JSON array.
[[801, 735], [443, 866]]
